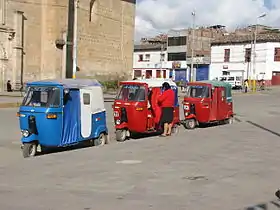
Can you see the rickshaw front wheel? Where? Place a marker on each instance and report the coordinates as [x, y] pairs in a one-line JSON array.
[[121, 135], [190, 124], [29, 150]]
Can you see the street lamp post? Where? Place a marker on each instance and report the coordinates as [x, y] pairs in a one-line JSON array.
[[254, 57], [192, 49]]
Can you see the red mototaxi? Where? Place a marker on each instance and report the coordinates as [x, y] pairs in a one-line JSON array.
[[136, 108], [207, 102]]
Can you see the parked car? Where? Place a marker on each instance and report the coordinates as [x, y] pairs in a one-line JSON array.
[[235, 81]]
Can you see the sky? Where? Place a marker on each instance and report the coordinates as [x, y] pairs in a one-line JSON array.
[[158, 16]]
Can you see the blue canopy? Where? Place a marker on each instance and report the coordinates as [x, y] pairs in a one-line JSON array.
[[67, 83]]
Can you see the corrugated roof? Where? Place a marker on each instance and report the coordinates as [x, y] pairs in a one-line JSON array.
[[149, 47], [236, 39]]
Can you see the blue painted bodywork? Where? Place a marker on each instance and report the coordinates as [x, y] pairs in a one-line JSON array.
[[65, 130]]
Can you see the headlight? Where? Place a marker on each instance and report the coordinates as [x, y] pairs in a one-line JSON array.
[[25, 133], [118, 122], [186, 114], [186, 107]]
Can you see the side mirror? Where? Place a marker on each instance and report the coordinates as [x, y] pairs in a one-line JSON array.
[[66, 91]]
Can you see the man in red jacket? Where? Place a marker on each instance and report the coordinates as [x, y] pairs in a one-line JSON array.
[[166, 102]]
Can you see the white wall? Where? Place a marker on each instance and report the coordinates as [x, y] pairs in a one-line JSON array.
[[154, 61], [264, 60], [271, 65]]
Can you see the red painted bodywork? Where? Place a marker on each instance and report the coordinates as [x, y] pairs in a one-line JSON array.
[[207, 110], [140, 118]]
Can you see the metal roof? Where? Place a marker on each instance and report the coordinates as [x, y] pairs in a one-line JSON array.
[[68, 83]]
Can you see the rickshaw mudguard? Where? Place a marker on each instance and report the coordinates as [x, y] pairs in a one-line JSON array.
[[123, 125], [191, 116], [31, 138]]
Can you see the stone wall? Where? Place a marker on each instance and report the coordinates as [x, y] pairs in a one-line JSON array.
[[105, 39]]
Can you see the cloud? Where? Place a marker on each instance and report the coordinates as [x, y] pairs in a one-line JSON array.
[[158, 16]]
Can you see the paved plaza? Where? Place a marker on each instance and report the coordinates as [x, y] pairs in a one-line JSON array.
[[217, 168]]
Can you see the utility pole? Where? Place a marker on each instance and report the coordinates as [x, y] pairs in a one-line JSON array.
[[255, 55], [69, 41], [192, 49], [75, 30]]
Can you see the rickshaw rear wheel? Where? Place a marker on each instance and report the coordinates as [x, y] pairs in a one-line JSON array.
[[175, 129], [121, 135], [229, 120], [190, 124], [101, 140], [29, 150]]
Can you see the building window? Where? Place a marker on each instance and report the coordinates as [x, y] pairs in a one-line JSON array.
[[140, 58], [162, 57], [137, 73], [147, 57], [248, 53], [158, 74], [86, 99], [277, 54], [177, 41], [227, 55], [92, 10], [177, 56]]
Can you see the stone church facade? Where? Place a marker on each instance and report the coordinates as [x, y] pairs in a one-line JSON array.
[[32, 34]]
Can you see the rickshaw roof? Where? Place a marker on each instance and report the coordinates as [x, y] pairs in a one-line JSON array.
[[153, 82], [216, 83], [68, 83]]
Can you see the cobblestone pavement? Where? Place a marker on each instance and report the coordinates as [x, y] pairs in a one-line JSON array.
[[225, 167]]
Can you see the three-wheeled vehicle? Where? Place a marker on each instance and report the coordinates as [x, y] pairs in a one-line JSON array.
[[60, 113], [207, 102], [136, 108]]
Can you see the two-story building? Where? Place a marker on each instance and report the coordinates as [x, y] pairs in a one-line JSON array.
[[233, 55], [149, 61]]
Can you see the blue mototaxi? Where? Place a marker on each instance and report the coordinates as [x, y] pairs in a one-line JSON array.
[[60, 113]]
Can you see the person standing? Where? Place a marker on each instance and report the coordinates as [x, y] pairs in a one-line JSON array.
[[9, 86], [166, 102], [246, 84]]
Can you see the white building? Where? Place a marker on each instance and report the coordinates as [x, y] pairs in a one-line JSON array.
[[233, 56], [150, 61]]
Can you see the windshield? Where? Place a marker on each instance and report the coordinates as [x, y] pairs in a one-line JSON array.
[[197, 91], [42, 97], [132, 93]]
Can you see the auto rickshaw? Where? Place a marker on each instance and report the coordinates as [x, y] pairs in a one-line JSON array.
[[60, 113], [207, 102], [136, 108]]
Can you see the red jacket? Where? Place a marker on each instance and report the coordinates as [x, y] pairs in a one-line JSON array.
[[167, 98]]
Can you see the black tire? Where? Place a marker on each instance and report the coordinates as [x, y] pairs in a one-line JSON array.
[[121, 135], [190, 124], [175, 129], [101, 140], [29, 150], [229, 120]]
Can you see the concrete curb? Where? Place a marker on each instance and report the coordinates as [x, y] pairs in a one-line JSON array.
[[9, 105]]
